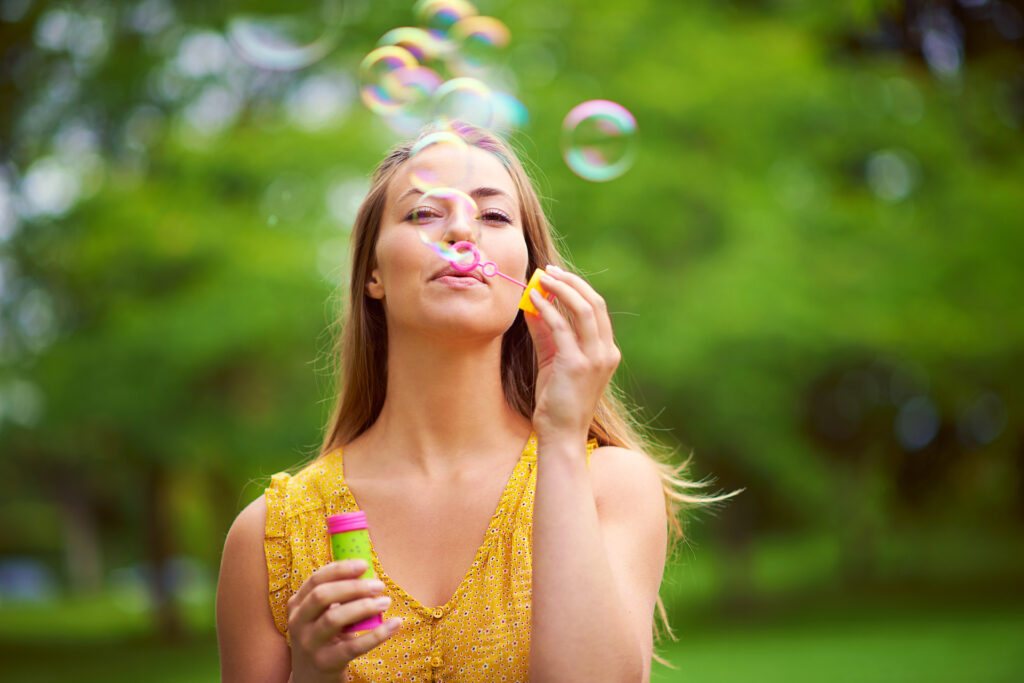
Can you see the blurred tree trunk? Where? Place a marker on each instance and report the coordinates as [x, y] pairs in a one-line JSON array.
[[159, 544], [858, 535], [82, 550]]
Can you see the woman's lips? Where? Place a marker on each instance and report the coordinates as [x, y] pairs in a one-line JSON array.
[[458, 281]]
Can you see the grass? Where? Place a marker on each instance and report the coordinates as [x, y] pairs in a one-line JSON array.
[[858, 644]]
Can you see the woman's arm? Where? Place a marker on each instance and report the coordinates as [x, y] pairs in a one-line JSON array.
[[251, 647], [598, 538], [333, 597], [599, 542]]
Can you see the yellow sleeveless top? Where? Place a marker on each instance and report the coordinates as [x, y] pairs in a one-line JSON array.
[[481, 634]]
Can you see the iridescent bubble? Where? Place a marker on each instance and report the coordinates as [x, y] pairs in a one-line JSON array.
[[424, 45], [441, 15], [446, 215], [464, 99], [426, 179], [390, 78], [479, 39], [509, 112], [599, 140], [286, 42]]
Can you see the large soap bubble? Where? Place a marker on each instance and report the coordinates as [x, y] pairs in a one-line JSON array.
[[286, 42], [599, 140]]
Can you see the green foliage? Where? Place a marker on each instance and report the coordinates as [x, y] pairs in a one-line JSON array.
[[800, 212]]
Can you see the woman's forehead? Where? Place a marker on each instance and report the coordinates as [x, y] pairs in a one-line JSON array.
[[463, 169]]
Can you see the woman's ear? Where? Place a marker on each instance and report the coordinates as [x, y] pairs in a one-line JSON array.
[[374, 288]]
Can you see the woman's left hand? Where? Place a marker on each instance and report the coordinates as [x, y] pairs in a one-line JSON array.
[[576, 356]]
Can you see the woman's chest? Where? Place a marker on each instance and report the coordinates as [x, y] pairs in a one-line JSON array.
[[427, 538]]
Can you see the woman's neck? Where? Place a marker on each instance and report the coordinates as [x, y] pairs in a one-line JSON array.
[[445, 405]]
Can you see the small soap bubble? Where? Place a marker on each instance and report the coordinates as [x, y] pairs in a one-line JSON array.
[[441, 15], [286, 42], [464, 99], [480, 40], [599, 140]]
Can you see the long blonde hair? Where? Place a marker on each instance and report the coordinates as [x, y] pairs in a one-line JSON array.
[[361, 347]]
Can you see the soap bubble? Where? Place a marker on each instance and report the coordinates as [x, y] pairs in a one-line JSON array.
[[443, 216], [441, 15], [390, 78], [509, 112], [464, 99], [286, 42], [599, 140], [479, 40], [424, 45], [425, 179]]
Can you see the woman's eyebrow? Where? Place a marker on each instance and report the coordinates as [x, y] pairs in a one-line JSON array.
[[411, 190], [475, 194], [489, 192]]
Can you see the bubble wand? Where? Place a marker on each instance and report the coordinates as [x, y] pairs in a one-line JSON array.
[[464, 257]]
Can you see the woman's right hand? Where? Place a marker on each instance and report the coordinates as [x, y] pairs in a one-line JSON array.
[[331, 598]]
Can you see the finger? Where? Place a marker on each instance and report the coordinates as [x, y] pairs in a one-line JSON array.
[[320, 598], [541, 333], [339, 615], [583, 315], [563, 336], [345, 651], [600, 306], [332, 571]]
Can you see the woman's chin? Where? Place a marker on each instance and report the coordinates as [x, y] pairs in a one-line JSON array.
[[466, 319]]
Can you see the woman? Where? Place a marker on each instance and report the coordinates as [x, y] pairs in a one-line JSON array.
[[443, 381]]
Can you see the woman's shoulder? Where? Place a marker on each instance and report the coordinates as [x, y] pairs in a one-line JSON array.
[[624, 477], [291, 493], [246, 534]]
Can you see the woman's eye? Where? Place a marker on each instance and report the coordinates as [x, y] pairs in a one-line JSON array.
[[495, 216], [422, 214]]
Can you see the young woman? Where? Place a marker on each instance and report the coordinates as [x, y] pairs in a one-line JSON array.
[[518, 526]]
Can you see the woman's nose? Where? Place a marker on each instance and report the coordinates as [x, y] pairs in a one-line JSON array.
[[461, 227]]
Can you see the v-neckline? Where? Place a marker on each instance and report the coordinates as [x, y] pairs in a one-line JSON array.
[[481, 553]]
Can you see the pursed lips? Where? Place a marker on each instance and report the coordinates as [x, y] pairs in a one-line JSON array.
[[452, 272]]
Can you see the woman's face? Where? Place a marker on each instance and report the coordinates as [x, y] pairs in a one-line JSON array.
[[419, 289]]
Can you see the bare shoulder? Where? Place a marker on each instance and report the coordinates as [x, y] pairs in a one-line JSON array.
[[249, 525], [251, 648], [624, 477]]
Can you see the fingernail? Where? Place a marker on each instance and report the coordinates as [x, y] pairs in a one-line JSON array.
[[374, 587], [357, 565], [393, 624], [383, 601], [554, 269]]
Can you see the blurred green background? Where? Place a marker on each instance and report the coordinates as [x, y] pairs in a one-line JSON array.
[[815, 267]]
